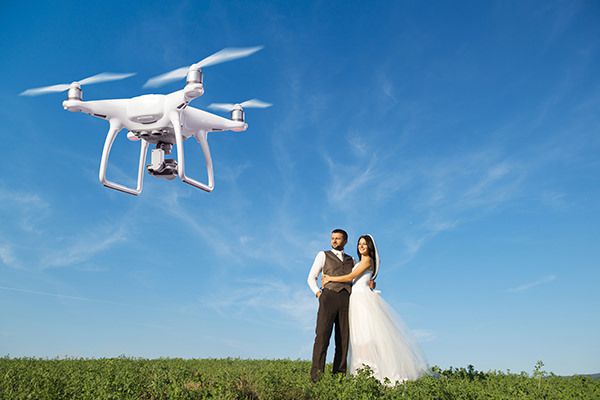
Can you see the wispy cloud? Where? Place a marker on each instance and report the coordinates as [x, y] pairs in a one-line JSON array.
[[558, 16], [527, 286], [432, 195], [267, 300], [424, 335], [23, 198], [454, 190], [230, 230], [346, 180], [22, 213], [58, 295], [53, 247], [205, 227], [387, 86], [7, 257], [554, 200], [415, 239], [28, 207], [481, 179], [85, 246], [366, 172]]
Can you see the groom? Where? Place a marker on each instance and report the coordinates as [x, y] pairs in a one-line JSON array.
[[333, 305]]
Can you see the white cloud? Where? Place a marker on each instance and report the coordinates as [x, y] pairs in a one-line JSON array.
[[424, 335], [441, 192], [414, 240], [7, 257], [358, 145], [22, 198], [554, 200], [266, 300], [276, 241], [58, 295], [387, 86], [219, 242], [85, 246], [527, 286], [27, 208], [346, 180], [38, 245]]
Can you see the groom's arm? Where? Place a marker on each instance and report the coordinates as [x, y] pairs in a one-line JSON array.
[[315, 270]]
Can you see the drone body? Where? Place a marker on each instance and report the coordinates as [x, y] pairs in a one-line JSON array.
[[161, 120]]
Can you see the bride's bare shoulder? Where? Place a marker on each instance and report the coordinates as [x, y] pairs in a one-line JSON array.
[[367, 261]]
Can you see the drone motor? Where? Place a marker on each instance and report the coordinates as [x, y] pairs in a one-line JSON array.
[[194, 76], [75, 92], [194, 86], [237, 110], [237, 114]]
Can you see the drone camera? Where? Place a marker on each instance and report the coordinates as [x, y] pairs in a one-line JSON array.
[[161, 167]]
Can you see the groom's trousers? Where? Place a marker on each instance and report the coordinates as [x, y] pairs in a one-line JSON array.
[[333, 311]]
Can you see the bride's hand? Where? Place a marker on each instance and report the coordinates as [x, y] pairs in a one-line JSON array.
[[325, 280]]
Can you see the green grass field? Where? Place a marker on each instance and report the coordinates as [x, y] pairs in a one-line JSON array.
[[127, 378]]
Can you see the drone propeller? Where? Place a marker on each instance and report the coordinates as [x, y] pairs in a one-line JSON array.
[[103, 77], [221, 56], [254, 103]]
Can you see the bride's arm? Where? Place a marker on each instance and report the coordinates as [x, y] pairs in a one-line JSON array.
[[364, 263]]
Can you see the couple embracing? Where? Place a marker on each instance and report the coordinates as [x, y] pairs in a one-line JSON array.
[[367, 331]]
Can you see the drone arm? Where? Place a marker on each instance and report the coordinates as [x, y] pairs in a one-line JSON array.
[[201, 137], [196, 120], [115, 128]]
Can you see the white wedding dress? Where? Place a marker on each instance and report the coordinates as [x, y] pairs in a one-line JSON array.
[[378, 337]]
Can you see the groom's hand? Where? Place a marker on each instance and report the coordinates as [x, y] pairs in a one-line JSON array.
[[372, 284]]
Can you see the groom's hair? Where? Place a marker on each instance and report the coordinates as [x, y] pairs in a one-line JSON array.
[[343, 232]]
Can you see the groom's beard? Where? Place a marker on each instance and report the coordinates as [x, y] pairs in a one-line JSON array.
[[340, 248]]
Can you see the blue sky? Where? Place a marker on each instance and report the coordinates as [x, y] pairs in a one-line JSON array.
[[463, 137]]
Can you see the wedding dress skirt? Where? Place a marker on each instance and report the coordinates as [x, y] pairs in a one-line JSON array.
[[379, 339]]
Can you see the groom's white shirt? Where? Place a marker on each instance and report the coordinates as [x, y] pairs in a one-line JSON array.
[[317, 268]]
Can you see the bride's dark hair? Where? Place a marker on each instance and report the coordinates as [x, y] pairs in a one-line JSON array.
[[370, 249]]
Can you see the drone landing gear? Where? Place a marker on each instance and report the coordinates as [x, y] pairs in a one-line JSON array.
[[202, 139], [161, 167], [115, 128]]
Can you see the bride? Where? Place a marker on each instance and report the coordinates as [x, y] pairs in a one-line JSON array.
[[378, 339]]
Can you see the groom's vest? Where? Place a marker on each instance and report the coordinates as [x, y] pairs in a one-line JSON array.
[[335, 267]]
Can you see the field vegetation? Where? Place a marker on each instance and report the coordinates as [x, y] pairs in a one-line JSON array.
[[128, 378]]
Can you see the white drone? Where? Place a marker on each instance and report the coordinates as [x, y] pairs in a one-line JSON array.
[[163, 120]]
